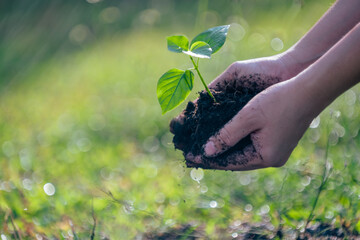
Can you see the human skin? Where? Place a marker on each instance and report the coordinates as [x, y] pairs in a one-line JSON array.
[[277, 118], [325, 33]]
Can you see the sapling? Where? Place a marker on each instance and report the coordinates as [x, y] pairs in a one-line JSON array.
[[175, 85]]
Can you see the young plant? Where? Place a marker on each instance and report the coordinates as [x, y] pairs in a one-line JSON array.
[[175, 85]]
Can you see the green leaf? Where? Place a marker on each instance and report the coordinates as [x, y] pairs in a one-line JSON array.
[[215, 37], [173, 88], [177, 43], [199, 49]]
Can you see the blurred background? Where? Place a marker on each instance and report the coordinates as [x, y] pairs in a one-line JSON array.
[[83, 139]]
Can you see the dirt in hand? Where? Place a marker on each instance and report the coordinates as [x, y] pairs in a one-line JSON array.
[[204, 118]]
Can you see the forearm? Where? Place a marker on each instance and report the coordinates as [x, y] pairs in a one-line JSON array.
[[333, 25], [334, 73]]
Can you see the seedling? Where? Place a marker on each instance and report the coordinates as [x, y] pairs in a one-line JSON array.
[[175, 85]]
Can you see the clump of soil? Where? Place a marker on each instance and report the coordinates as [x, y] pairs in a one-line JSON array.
[[202, 119]]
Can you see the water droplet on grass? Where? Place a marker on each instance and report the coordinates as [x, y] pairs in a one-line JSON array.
[[49, 189], [315, 123], [128, 208], [245, 179], [336, 113], [197, 174], [248, 207], [314, 135], [265, 209], [203, 189], [213, 204], [306, 181]]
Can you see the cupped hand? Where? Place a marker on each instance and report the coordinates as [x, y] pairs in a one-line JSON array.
[[276, 119], [277, 68]]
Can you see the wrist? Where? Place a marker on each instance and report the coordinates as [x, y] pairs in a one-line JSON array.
[[291, 63], [304, 98], [298, 59]]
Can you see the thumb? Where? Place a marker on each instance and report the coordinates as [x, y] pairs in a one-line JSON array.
[[242, 124]]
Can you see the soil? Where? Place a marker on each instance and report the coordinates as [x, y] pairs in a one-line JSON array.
[[204, 118], [262, 230], [186, 231]]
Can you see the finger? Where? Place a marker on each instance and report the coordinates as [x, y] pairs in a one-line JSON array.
[[195, 165], [248, 159], [242, 124], [253, 163], [245, 160], [238, 161], [194, 159], [177, 123]]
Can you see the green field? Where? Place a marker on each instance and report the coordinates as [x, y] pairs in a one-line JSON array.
[[83, 138]]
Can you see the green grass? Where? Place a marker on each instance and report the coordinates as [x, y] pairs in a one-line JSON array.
[[89, 123]]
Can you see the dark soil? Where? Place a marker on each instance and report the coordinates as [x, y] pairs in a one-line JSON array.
[[202, 119], [246, 231]]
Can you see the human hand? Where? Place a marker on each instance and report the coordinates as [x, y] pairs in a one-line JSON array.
[[265, 71], [276, 119], [279, 68]]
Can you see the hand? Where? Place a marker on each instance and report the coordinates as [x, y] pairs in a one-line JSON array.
[[280, 67], [276, 119]]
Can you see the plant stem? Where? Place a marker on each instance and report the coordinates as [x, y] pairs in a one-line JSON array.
[[201, 78]]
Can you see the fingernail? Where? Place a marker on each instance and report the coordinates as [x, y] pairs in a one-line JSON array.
[[210, 149]]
